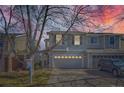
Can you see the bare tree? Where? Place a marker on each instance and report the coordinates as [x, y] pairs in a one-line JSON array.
[[35, 20], [36, 23], [6, 27]]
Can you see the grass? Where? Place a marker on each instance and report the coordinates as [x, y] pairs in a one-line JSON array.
[[21, 79]]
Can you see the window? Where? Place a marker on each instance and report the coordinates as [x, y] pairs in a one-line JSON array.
[[1, 43], [59, 39], [93, 40], [112, 40], [77, 40]]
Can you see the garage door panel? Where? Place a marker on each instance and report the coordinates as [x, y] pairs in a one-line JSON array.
[[97, 58], [68, 63]]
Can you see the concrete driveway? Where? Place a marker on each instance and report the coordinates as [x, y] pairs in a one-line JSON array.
[[80, 78]]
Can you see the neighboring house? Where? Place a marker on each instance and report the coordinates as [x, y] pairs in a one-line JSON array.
[[20, 46], [9, 62], [82, 49]]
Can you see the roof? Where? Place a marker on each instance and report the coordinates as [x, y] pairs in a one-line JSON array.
[[21, 35], [81, 32], [12, 32]]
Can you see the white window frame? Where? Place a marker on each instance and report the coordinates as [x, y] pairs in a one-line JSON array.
[[77, 40], [59, 39]]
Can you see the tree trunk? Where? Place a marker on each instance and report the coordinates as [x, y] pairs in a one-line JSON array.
[[10, 60], [10, 64]]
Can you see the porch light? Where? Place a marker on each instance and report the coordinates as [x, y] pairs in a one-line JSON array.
[[80, 57], [55, 57], [66, 56], [69, 56], [59, 57], [76, 57], [73, 56], [62, 57]]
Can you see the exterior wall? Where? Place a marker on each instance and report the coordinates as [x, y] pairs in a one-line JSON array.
[[51, 40], [89, 65], [50, 60], [20, 43]]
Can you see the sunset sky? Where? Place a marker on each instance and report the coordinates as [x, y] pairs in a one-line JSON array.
[[110, 17], [107, 18]]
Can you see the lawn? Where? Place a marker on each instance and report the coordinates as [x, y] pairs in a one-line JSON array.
[[21, 79]]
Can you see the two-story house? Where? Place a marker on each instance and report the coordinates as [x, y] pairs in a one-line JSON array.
[[82, 49]]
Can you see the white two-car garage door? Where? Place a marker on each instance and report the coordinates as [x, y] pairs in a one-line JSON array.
[[68, 61]]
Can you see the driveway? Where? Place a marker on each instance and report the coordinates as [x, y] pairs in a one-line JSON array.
[[81, 77]]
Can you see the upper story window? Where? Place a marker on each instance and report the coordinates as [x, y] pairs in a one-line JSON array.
[[59, 39], [112, 40], [77, 40], [93, 40]]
